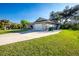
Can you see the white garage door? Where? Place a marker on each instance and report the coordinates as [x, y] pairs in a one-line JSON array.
[[38, 27]]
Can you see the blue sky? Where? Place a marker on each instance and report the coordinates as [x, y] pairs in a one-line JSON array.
[[30, 11]]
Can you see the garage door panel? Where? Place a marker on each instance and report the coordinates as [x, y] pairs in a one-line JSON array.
[[38, 27]]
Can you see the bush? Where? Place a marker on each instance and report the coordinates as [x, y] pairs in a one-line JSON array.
[[51, 28], [66, 26], [74, 26]]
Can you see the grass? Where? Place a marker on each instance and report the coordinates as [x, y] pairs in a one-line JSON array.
[[11, 31], [66, 43]]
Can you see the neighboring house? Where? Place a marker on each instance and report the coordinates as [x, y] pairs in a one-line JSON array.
[[42, 24]]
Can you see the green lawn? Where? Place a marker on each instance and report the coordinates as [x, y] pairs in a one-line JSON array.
[[64, 43], [11, 31]]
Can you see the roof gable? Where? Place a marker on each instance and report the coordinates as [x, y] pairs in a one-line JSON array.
[[40, 19], [43, 20]]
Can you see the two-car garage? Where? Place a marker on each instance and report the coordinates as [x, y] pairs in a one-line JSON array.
[[38, 27], [42, 27]]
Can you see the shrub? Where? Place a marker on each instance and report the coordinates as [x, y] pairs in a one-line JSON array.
[[51, 28], [65, 26], [74, 26]]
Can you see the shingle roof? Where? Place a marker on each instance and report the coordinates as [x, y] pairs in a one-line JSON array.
[[43, 20]]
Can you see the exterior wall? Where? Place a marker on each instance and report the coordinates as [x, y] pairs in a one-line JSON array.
[[42, 27]]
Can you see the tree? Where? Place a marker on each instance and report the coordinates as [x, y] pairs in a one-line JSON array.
[[52, 15], [55, 16], [4, 24], [69, 12], [13, 26], [66, 14], [25, 23], [19, 26]]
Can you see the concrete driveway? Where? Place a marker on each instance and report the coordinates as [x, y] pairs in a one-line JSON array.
[[17, 37]]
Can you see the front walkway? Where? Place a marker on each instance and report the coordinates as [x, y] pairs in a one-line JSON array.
[[17, 37]]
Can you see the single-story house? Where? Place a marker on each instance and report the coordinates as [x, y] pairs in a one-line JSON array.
[[42, 24]]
